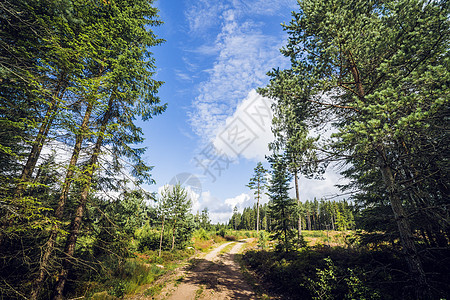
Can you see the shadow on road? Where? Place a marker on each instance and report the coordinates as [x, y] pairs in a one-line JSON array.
[[219, 276]]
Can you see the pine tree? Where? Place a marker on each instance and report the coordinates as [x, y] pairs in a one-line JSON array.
[[257, 183], [379, 70]]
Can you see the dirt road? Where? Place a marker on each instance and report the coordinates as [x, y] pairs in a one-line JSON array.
[[215, 276]]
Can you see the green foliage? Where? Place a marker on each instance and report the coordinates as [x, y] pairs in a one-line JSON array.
[[323, 286], [262, 240], [379, 72], [202, 234], [222, 232], [174, 207], [258, 181], [148, 238], [117, 289], [281, 205], [75, 74], [357, 289], [325, 274], [258, 184], [204, 220]]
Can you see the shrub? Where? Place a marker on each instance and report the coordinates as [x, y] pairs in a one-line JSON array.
[[202, 234], [222, 232], [230, 238], [118, 289], [148, 239]]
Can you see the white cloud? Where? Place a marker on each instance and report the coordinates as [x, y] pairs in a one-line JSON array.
[[248, 131], [312, 188], [183, 76], [238, 200], [202, 15], [222, 211], [264, 7], [243, 56]]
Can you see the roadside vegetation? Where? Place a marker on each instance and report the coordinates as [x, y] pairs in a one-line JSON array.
[[117, 277]]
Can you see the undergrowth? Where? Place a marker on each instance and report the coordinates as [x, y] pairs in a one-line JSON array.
[[322, 272]]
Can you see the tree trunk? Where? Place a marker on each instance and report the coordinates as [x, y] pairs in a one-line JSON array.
[[308, 216], [173, 239], [297, 194], [39, 141], [173, 235], [49, 246], [333, 212], [76, 224], [161, 238], [257, 213], [406, 238]]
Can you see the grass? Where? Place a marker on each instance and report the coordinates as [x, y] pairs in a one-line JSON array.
[[199, 292], [227, 248], [341, 270], [333, 239], [179, 280], [134, 275], [154, 290]]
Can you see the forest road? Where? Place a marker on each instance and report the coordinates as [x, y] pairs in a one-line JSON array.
[[217, 275]]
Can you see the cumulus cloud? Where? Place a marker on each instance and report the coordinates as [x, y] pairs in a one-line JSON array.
[[326, 189], [192, 193], [238, 201], [248, 131], [243, 55]]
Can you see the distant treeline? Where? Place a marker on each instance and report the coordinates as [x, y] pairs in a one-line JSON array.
[[315, 215]]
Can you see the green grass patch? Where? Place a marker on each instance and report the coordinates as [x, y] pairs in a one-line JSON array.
[[154, 290], [227, 248], [199, 292]]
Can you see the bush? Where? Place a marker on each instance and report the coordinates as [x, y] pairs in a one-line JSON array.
[[230, 238], [222, 232], [262, 240], [118, 289], [148, 239], [322, 273], [202, 234]]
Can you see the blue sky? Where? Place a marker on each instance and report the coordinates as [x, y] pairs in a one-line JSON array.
[[217, 127]]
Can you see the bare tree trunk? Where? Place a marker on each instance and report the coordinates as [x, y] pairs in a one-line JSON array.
[[49, 246], [173, 235], [333, 212], [161, 238], [406, 237], [76, 224], [297, 194], [308, 216], [173, 239], [257, 213]]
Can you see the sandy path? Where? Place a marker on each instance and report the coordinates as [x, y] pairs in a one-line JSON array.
[[215, 276]]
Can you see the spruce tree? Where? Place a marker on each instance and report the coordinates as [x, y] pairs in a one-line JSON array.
[[281, 205]]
